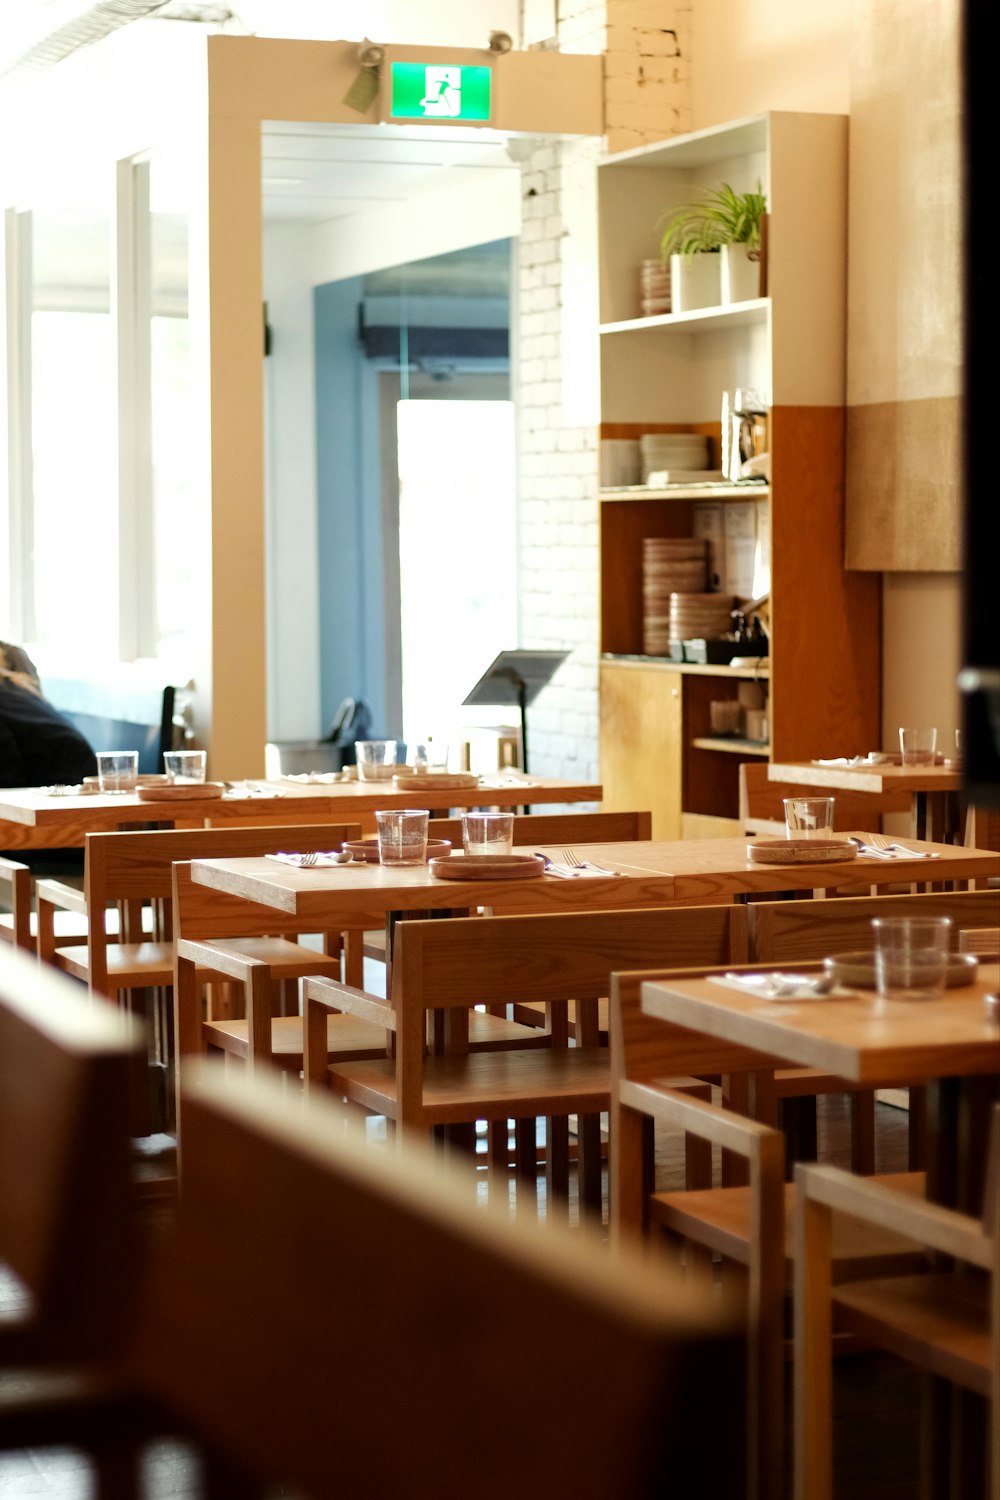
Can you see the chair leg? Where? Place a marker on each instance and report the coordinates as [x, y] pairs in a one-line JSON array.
[[918, 1128], [588, 1138], [813, 1355], [525, 1132], [863, 1132], [557, 1165]]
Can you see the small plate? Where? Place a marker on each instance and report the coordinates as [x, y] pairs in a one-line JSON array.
[[415, 781], [487, 867], [180, 791], [857, 970], [799, 851]]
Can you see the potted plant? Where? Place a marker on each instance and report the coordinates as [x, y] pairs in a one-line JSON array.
[[722, 221]]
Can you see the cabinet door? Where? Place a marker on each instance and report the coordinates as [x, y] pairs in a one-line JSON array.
[[641, 745]]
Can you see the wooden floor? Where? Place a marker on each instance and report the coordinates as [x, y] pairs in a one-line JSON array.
[[877, 1400]]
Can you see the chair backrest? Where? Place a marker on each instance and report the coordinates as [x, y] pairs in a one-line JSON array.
[[562, 828], [788, 930], [136, 866], [761, 807], [550, 959], [567, 956], [291, 1273], [15, 893], [65, 1219]]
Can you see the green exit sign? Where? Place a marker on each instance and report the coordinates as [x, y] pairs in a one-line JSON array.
[[440, 91]]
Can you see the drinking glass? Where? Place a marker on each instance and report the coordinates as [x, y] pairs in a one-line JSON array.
[[376, 759], [488, 832], [402, 836], [809, 817], [117, 770], [918, 746], [911, 956], [184, 765], [427, 755]]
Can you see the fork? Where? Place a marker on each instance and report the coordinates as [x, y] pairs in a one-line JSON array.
[[571, 858]]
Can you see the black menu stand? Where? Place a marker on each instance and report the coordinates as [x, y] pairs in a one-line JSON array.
[[516, 677]]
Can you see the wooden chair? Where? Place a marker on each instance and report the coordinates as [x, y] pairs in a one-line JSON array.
[[218, 936], [561, 828], [984, 942], [790, 931], [383, 1257], [761, 808], [67, 1227], [748, 1226], [134, 869], [452, 965], [15, 894], [946, 1321]]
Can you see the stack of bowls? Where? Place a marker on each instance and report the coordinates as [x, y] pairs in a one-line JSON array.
[[671, 566], [654, 288], [699, 616], [682, 452]]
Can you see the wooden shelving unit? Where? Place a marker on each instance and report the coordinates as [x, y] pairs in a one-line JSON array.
[[668, 373]]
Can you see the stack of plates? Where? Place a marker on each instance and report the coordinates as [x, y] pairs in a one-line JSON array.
[[671, 566], [673, 450], [699, 616], [654, 288]]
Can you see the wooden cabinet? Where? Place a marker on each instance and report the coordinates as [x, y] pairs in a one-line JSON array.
[[668, 373]]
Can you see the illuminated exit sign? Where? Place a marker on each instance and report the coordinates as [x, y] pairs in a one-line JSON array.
[[440, 91]]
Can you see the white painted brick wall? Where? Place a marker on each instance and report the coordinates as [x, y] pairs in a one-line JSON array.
[[647, 96]]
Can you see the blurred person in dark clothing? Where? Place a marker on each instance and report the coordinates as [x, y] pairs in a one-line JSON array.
[[38, 747]]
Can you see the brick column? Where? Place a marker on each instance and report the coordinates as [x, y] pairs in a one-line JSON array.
[[556, 353]]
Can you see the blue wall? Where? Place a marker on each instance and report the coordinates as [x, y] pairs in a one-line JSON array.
[[352, 645]]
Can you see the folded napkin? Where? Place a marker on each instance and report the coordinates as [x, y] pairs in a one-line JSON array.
[[314, 778], [777, 986], [892, 851], [310, 861]]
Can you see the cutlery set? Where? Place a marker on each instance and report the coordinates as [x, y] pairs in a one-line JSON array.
[[885, 849], [778, 986], [571, 865]]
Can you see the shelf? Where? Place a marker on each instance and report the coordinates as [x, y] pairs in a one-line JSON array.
[[732, 745], [701, 148], [747, 490], [735, 315], [689, 668]]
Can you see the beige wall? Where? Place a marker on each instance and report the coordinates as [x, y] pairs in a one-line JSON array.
[[891, 65], [775, 54], [904, 347]]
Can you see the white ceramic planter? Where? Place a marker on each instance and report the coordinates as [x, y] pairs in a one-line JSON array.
[[740, 274], [695, 281]]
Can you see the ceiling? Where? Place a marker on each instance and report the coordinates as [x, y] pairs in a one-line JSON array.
[[315, 172]]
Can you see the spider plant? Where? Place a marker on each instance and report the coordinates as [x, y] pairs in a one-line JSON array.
[[721, 217]]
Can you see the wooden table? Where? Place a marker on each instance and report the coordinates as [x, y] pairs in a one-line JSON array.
[[688, 872], [933, 789], [949, 1042], [31, 818]]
